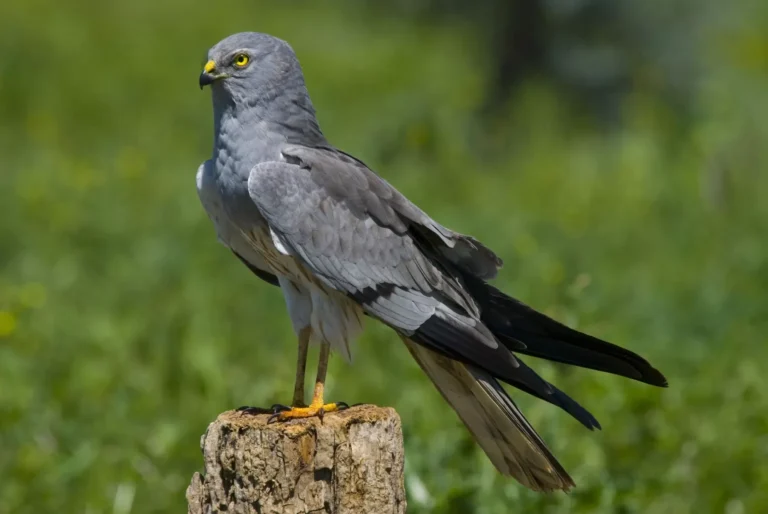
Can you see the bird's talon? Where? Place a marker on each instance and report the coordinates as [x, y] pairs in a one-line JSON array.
[[279, 407], [252, 411]]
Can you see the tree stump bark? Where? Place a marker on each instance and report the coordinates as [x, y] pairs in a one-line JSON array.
[[348, 462]]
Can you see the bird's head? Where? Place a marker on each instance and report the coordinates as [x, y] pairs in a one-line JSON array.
[[257, 78], [249, 62]]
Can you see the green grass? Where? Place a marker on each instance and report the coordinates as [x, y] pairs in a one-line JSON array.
[[125, 328]]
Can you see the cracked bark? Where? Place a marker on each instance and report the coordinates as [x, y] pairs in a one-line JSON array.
[[350, 462]]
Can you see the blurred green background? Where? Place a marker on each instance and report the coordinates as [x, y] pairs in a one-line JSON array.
[[615, 154]]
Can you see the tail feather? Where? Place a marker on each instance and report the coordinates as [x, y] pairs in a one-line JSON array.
[[498, 426], [456, 341], [513, 322]]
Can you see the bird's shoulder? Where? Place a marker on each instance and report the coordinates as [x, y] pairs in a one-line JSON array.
[[346, 178]]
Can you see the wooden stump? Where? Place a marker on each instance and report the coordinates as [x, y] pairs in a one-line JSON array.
[[348, 462]]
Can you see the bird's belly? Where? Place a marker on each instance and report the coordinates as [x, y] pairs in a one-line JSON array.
[[333, 316]]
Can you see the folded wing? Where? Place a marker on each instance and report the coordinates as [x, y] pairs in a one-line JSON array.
[[356, 242]]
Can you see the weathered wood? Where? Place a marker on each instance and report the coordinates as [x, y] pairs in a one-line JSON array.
[[348, 462]]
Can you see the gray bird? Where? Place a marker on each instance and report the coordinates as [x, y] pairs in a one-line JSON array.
[[341, 243]]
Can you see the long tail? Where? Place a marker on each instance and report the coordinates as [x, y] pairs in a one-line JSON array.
[[512, 322], [494, 420]]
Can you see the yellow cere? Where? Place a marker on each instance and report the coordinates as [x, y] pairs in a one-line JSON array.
[[209, 66], [241, 60]]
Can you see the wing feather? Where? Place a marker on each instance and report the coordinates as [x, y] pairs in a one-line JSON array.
[[350, 180]]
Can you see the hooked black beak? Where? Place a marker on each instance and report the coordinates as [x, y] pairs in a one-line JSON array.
[[206, 79], [209, 75]]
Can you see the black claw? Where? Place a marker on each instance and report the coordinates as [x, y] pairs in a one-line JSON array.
[[342, 405], [278, 408], [275, 410], [252, 411]]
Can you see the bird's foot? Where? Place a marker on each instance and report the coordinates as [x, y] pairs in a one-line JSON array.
[[285, 413]]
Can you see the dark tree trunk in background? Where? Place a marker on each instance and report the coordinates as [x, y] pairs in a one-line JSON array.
[[519, 46], [594, 51]]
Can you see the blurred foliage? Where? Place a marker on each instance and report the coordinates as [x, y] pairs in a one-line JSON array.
[[595, 51], [125, 328]]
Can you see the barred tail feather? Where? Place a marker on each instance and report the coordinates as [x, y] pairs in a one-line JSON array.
[[498, 426]]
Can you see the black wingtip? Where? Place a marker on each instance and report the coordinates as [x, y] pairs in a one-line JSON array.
[[512, 322], [654, 377], [579, 413], [527, 380]]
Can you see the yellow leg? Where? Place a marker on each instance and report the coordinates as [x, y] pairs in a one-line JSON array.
[[317, 407], [301, 367]]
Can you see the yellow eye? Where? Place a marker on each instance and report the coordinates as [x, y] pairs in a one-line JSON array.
[[241, 60]]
